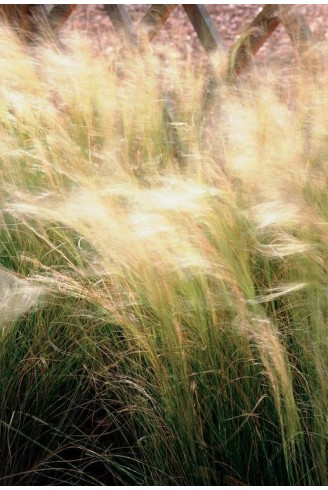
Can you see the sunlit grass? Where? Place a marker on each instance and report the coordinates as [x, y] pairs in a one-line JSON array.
[[163, 284]]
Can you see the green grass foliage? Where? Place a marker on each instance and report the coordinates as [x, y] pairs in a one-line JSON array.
[[163, 284]]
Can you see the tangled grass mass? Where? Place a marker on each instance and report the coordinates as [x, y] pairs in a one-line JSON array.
[[163, 289]]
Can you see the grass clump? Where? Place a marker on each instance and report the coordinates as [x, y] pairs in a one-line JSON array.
[[160, 323]]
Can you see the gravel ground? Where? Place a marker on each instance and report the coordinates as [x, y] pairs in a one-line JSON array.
[[178, 31]]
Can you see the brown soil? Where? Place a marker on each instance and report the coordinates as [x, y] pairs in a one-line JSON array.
[[179, 33]]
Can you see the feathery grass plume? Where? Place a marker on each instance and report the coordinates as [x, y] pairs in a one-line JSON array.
[[17, 295], [181, 337]]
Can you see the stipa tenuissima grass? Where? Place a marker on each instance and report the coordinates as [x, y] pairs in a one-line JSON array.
[[161, 324]]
